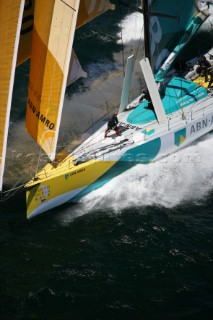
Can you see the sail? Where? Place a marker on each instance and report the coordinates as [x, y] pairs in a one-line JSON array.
[[53, 33], [25, 42], [168, 28], [90, 9], [11, 12], [75, 70]]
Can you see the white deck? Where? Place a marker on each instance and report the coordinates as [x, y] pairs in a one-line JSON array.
[[99, 147]]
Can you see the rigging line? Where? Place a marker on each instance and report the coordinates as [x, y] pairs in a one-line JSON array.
[[12, 189], [136, 48], [38, 161], [68, 5], [163, 15], [180, 66], [122, 41], [113, 85], [131, 6], [139, 41], [103, 96], [14, 192]]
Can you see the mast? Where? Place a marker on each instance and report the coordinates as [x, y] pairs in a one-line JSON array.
[[146, 29], [147, 70], [146, 14]]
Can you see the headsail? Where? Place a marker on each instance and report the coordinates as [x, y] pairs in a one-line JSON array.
[[53, 33], [169, 29], [11, 12]]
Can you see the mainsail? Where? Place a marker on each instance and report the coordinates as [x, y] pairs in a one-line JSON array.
[[168, 28], [53, 33], [11, 12]]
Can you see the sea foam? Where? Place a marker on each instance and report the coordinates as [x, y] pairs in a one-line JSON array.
[[183, 176]]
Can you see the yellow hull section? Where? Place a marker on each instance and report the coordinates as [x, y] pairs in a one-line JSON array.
[[53, 182]]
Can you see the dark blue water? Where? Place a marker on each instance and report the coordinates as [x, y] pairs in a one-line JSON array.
[[141, 247], [141, 263]]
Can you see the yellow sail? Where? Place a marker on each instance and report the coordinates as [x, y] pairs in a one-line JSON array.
[[90, 9], [11, 12], [25, 43], [53, 33]]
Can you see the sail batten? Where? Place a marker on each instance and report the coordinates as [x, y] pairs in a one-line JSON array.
[[11, 12], [53, 34]]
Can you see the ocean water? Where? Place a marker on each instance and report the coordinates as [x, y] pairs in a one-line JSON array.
[[141, 247]]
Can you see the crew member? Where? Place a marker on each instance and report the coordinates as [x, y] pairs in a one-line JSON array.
[[146, 96], [112, 125], [203, 67]]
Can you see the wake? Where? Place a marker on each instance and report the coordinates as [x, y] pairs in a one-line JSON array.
[[183, 176]]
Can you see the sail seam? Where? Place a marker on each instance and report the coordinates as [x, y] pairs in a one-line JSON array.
[[68, 5]]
